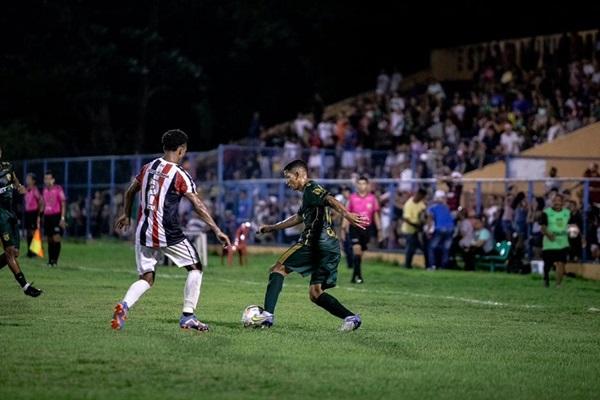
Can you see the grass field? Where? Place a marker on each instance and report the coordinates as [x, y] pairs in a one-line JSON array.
[[425, 335]]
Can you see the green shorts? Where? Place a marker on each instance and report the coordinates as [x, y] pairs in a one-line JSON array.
[[321, 265], [9, 229]]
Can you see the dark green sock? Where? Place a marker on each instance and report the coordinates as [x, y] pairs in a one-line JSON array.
[[3, 262], [273, 289], [333, 306]]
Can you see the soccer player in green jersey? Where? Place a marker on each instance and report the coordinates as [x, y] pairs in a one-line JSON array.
[[555, 248], [9, 227], [317, 252]]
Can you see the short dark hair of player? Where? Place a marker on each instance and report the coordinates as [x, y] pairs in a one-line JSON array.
[[172, 139], [49, 172], [295, 165], [422, 192], [32, 176], [363, 178]]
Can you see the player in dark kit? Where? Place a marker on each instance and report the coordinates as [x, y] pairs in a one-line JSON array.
[[317, 253], [9, 227]]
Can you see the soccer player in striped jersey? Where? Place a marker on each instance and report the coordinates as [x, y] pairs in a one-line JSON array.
[[162, 183]]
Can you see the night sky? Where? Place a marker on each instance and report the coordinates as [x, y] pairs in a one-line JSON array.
[[83, 78]]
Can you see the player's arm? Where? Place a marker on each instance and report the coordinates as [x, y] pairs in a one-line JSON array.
[[205, 216], [377, 220], [63, 210], [20, 188], [544, 227], [292, 220], [125, 219], [354, 219]]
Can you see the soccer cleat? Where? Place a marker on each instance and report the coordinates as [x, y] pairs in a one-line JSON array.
[[263, 320], [351, 323], [120, 316], [29, 290], [191, 322]]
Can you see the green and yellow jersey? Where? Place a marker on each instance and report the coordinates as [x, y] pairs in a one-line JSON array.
[[318, 227]]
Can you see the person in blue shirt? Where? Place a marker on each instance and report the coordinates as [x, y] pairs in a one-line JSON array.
[[440, 219]]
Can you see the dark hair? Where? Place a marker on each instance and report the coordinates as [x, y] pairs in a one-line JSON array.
[[49, 172], [295, 165], [172, 139], [32, 176], [422, 192], [363, 178], [517, 200]]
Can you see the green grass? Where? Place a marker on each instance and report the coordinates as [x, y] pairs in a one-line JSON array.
[[425, 335]]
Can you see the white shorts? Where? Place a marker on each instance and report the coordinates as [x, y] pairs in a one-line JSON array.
[[182, 254]]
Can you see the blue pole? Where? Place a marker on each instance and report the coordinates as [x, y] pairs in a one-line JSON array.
[[112, 188], [281, 195], [66, 185], [478, 197], [586, 207], [88, 202], [220, 172], [507, 172], [530, 198]]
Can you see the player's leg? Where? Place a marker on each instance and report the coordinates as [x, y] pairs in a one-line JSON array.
[[548, 261], [57, 239], [9, 235], [277, 274], [446, 247], [411, 247], [146, 259], [434, 243], [10, 258], [357, 263], [30, 228], [324, 277], [184, 254]]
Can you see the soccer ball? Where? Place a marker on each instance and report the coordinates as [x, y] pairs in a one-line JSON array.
[[250, 312], [573, 231]]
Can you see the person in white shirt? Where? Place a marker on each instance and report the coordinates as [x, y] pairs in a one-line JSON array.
[[396, 80], [383, 83], [301, 124], [510, 140], [556, 129]]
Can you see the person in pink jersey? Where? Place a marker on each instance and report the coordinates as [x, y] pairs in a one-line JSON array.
[[365, 204], [55, 207], [34, 204]]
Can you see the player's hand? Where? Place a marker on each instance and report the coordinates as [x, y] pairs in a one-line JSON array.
[[265, 229], [551, 236], [21, 189], [224, 239], [358, 220], [122, 223], [62, 223]]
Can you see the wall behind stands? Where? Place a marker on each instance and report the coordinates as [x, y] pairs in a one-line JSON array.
[[570, 154], [459, 63]]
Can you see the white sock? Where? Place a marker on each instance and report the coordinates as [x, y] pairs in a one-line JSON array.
[[191, 291], [136, 290]]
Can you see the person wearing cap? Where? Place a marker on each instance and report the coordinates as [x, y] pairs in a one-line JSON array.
[[440, 218]]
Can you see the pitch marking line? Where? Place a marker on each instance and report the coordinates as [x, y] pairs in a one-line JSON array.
[[377, 291]]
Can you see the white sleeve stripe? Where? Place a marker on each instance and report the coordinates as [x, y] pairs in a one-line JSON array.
[[188, 180]]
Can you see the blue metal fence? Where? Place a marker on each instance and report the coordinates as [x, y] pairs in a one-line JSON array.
[[235, 180]]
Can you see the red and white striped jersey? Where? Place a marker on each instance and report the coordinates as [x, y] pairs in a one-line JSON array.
[[163, 184]]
